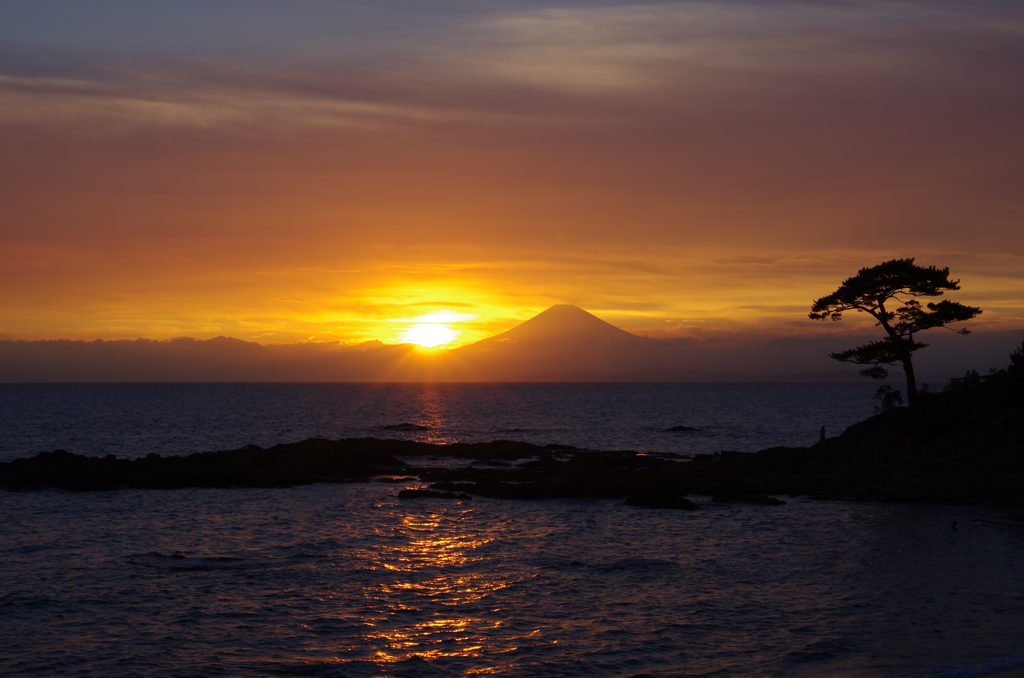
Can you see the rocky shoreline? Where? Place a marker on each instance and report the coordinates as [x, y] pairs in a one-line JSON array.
[[315, 460], [965, 444]]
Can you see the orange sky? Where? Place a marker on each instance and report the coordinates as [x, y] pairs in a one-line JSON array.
[[680, 169]]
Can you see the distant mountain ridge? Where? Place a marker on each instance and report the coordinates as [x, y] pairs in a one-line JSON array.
[[562, 343], [704, 376]]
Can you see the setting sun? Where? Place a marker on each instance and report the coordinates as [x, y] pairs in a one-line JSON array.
[[429, 335], [432, 329]]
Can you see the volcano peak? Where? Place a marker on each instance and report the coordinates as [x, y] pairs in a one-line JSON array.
[[564, 322]]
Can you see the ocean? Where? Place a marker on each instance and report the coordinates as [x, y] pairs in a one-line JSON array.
[[346, 580], [131, 420]]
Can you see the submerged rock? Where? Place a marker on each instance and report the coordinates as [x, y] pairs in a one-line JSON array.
[[404, 426], [682, 428], [661, 500], [428, 494], [762, 499]]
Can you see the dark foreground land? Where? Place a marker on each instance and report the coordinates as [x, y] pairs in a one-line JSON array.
[[964, 444]]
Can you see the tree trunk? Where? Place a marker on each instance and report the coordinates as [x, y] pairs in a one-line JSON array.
[[908, 369]]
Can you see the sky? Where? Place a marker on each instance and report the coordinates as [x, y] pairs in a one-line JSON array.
[[333, 171]]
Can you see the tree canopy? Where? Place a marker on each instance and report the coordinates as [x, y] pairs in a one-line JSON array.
[[896, 283]]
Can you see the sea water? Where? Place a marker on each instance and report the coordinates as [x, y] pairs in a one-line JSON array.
[[347, 580], [131, 420]]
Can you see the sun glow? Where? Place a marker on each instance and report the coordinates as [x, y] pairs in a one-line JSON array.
[[429, 335], [432, 329]]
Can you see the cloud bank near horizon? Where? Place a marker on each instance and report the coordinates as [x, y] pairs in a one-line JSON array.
[[682, 168]]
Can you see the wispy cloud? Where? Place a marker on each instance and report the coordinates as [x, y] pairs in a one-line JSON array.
[[707, 45], [144, 100], [483, 69]]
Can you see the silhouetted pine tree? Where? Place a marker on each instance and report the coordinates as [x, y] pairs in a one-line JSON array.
[[894, 283]]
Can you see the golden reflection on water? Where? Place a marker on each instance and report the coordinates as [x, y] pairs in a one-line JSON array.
[[433, 545], [432, 413], [432, 560], [445, 539]]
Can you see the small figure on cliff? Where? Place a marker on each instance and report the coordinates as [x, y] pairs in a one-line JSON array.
[[822, 432], [975, 377], [954, 525]]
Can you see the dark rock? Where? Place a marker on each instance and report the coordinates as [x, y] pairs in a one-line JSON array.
[[586, 474], [682, 428], [762, 499], [661, 500], [730, 454], [481, 475], [546, 460], [404, 426], [966, 447], [310, 461], [498, 449], [427, 494], [452, 487], [499, 490]]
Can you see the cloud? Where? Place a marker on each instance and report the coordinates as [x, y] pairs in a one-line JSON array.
[[707, 45], [718, 165], [150, 100], [440, 316], [503, 67]]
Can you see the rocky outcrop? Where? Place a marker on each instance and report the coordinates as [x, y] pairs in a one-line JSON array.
[[310, 461], [963, 444], [586, 474]]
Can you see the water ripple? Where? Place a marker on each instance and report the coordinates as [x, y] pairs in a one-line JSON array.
[[345, 580]]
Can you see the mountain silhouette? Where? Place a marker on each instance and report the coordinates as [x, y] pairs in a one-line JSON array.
[[563, 339], [564, 323]]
